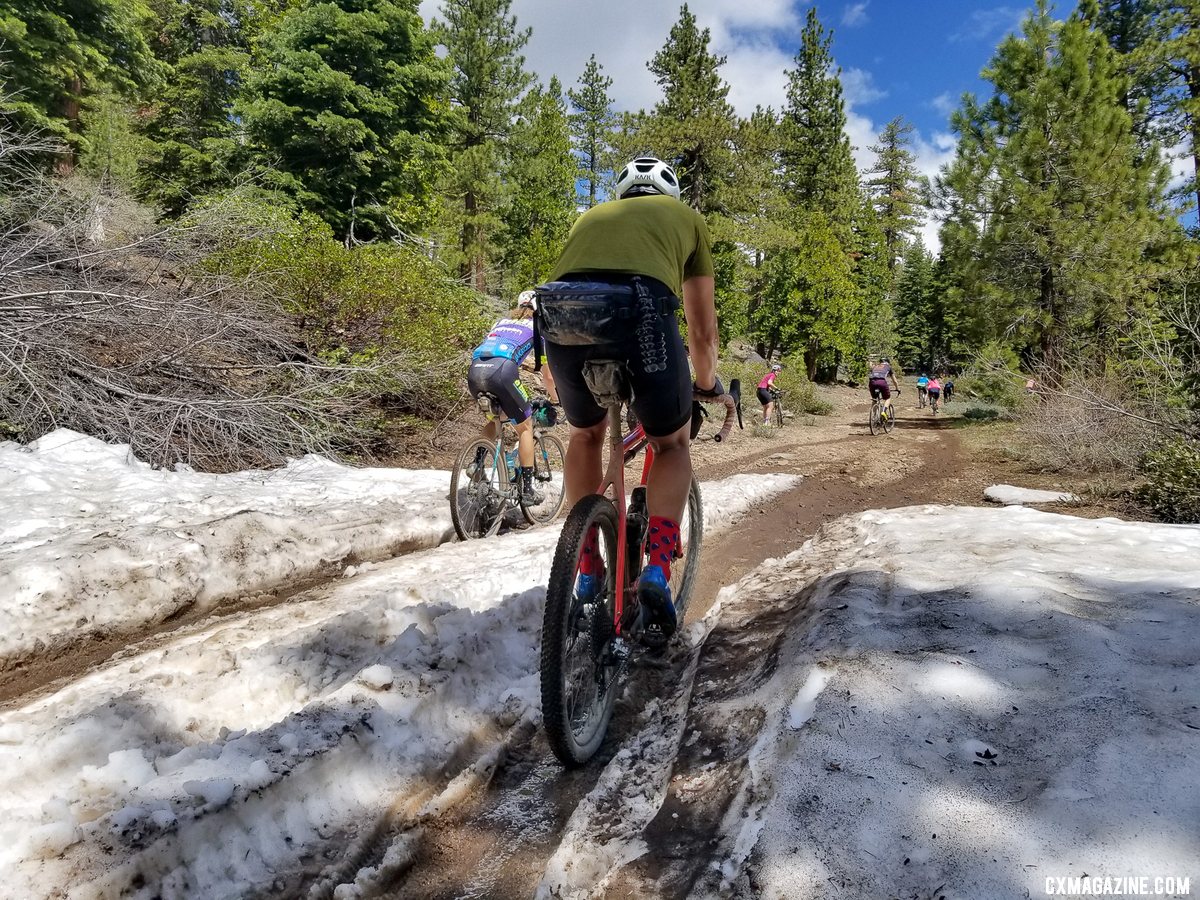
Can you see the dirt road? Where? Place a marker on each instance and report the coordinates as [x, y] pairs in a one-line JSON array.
[[500, 840]]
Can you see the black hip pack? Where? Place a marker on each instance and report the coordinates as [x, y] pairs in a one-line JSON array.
[[579, 313]]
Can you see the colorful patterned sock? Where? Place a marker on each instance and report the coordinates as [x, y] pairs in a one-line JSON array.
[[590, 561], [662, 542]]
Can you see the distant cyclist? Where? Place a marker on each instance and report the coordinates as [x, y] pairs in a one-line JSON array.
[[922, 389], [935, 392], [764, 392], [496, 370], [948, 388], [877, 383], [649, 246]]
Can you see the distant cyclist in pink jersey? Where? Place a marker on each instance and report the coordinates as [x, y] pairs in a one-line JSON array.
[[935, 392], [764, 392]]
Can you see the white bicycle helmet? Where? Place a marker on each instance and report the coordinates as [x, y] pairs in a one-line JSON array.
[[647, 175]]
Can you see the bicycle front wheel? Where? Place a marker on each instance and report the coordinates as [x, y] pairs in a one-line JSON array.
[[549, 460], [778, 415], [478, 487], [579, 666], [889, 419]]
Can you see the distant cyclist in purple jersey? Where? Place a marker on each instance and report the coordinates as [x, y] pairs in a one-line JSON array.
[[496, 370], [877, 383]]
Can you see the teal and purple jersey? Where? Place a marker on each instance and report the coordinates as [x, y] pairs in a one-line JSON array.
[[508, 339]]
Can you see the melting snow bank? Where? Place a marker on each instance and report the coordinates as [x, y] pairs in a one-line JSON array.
[[1018, 496], [224, 763], [94, 541], [942, 702]]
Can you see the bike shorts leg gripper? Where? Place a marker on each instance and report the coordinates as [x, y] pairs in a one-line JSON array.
[[662, 543]]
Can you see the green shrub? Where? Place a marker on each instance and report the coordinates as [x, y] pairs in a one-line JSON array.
[[981, 413], [373, 305], [1172, 487], [993, 376]]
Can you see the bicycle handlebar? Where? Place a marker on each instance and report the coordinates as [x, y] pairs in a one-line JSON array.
[[730, 413]]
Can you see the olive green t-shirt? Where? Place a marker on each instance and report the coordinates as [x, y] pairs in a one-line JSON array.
[[653, 235]]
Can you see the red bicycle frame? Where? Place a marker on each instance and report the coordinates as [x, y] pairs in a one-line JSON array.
[[622, 450]]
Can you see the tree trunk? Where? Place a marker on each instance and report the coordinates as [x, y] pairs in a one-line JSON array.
[[1051, 338], [1193, 82]]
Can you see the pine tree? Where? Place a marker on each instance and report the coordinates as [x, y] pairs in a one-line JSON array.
[[914, 309], [693, 124], [750, 226], [541, 179], [876, 334], [192, 133], [1170, 60], [896, 188], [1050, 199], [483, 45], [818, 168], [345, 106], [592, 124], [58, 53], [809, 302]]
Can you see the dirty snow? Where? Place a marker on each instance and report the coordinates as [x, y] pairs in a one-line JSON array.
[[1021, 705], [94, 541], [1008, 495], [278, 729]]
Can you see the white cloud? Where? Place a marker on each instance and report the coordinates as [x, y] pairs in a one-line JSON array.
[[858, 87], [625, 34], [855, 14], [945, 103], [989, 24]]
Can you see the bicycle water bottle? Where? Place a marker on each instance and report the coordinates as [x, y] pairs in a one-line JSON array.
[[511, 456]]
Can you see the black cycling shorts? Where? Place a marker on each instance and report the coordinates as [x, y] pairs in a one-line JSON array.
[[662, 399], [501, 377], [764, 396], [879, 388]]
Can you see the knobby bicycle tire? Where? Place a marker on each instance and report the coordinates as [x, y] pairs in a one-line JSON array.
[[889, 419], [472, 499], [683, 578], [873, 420], [545, 463], [778, 412], [564, 625]]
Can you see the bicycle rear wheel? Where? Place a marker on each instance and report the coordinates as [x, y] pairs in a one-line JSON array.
[[873, 419], [549, 460], [477, 493], [579, 667], [691, 538]]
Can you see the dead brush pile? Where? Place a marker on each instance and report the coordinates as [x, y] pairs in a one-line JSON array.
[[110, 325]]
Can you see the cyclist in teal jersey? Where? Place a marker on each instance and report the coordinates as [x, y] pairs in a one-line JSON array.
[[496, 370]]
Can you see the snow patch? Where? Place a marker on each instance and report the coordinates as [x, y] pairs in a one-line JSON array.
[[1008, 495], [275, 729], [101, 542]]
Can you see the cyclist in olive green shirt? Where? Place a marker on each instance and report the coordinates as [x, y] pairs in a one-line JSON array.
[[647, 233]]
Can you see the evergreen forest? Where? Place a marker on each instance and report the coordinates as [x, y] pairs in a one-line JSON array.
[[350, 193]]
